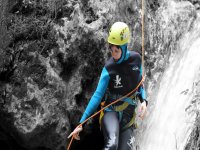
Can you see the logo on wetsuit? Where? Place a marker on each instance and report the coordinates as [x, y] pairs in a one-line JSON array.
[[118, 82], [135, 68]]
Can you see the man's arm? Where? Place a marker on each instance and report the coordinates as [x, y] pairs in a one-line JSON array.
[[97, 96], [141, 90]]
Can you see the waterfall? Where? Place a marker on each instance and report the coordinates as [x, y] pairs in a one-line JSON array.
[[169, 124]]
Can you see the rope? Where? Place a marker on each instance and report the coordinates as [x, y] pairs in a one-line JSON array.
[[127, 95], [143, 35]]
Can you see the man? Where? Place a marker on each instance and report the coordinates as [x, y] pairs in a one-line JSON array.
[[120, 75]]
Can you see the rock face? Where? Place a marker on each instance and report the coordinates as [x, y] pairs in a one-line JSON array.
[[170, 22], [194, 139], [52, 53], [196, 3]]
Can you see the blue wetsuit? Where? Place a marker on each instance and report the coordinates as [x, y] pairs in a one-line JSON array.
[[117, 79]]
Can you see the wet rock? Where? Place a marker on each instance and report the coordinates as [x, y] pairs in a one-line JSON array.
[[196, 3], [166, 25], [193, 142]]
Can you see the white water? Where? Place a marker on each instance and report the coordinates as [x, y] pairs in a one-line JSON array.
[[169, 124]]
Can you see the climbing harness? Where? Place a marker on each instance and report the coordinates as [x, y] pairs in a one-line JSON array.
[[131, 100]]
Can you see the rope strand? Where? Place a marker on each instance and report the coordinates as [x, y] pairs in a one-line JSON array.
[[143, 37]]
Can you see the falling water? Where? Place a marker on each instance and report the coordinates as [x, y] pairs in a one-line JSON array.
[[169, 124]]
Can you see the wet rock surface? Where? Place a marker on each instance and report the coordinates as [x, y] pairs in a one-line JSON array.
[[52, 53], [193, 142], [194, 139]]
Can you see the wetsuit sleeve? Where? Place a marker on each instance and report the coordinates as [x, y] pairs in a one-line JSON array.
[[141, 90], [97, 96]]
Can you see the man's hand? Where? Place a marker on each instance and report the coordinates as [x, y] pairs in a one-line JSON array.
[[76, 133], [143, 110]]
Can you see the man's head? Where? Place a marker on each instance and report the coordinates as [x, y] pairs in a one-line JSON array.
[[116, 51], [119, 36]]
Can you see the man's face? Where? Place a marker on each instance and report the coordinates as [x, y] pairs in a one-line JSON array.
[[115, 51]]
